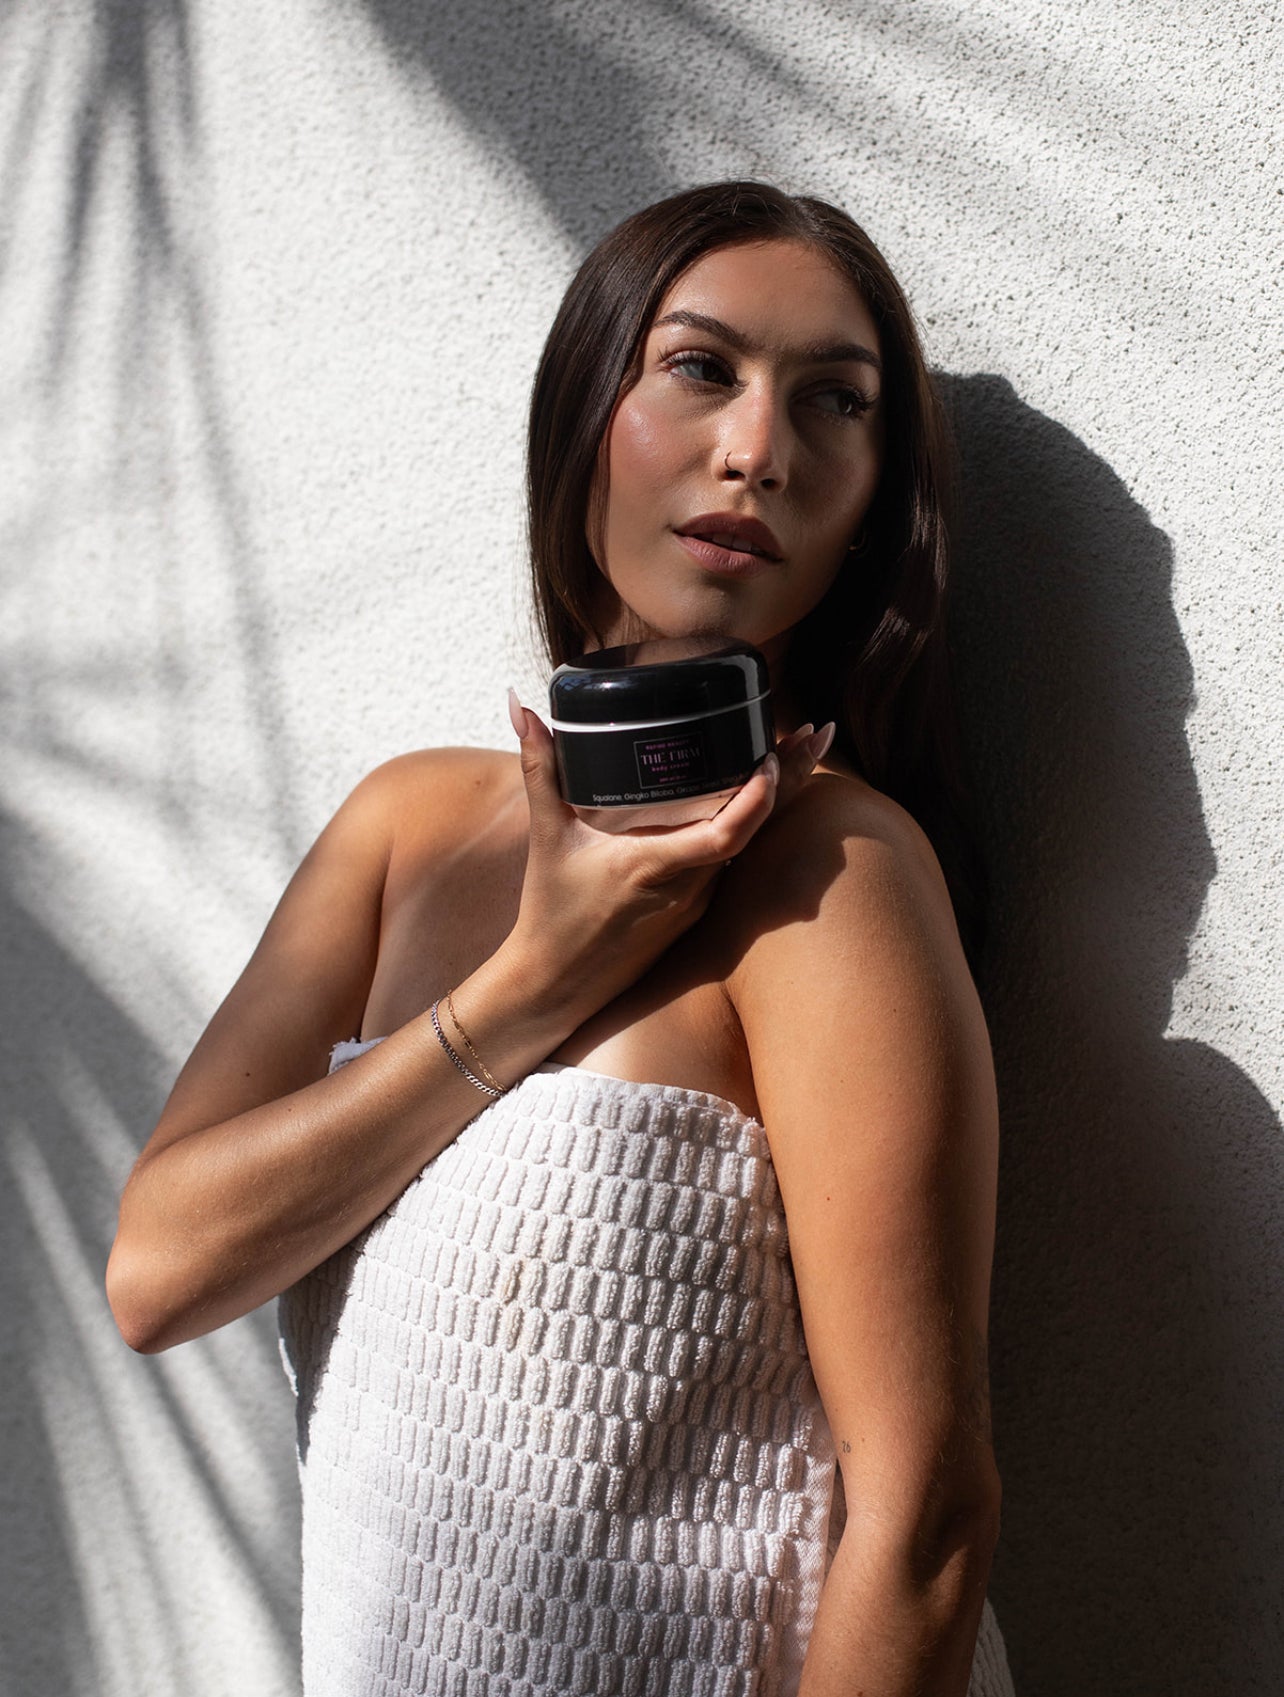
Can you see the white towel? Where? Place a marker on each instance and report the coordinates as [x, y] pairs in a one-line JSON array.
[[558, 1431]]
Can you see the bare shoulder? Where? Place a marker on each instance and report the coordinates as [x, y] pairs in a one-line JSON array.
[[858, 1010], [841, 867], [307, 984], [418, 807], [446, 779]]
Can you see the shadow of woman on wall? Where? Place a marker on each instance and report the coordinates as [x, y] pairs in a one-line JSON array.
[[1138, 1344]]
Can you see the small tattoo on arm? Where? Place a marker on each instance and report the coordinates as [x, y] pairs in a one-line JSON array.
[[847, 1448]]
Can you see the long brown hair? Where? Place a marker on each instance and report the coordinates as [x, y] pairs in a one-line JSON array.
[[872, 654]]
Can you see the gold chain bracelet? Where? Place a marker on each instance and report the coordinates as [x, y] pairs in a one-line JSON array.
[[482, 1068]]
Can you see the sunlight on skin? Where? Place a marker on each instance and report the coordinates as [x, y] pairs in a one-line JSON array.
[[757, 400]]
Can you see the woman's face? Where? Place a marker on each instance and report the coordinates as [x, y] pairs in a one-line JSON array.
[[737, 470]]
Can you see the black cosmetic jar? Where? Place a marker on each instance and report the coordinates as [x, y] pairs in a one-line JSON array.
[[660, 732]]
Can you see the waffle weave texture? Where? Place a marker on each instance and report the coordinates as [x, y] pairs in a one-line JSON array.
[[558, 1433]]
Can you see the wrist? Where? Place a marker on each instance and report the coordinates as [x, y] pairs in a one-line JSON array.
[[542, 989], [515, 1014]]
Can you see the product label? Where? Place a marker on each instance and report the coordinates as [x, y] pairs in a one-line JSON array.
[[664, 762]]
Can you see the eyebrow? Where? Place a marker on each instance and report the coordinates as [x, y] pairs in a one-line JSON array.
[[815, 353]]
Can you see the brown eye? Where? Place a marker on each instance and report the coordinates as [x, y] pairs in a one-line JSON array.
[[698, 368], [842, 401]]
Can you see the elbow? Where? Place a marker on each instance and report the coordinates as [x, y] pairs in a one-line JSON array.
[[156, 1282], [147, 1325], [940, 1535], [128, 1310], [969, 1526], [161, 1294], [958, 1529]]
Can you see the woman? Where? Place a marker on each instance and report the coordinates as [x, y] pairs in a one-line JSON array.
[[559, 1429]]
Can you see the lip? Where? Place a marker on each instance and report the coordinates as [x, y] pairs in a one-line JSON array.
[[730, 542]]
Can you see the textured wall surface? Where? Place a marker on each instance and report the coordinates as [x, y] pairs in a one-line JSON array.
[[274, 282]]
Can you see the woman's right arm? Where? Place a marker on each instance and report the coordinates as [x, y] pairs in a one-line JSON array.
[[260, 1167]]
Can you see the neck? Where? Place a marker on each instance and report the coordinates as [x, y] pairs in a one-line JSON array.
[[784, 710]]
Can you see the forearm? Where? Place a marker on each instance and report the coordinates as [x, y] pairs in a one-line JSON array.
[[228, 1215], [891, 1624]]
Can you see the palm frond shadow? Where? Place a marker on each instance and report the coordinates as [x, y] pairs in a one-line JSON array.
[[84, 1078]]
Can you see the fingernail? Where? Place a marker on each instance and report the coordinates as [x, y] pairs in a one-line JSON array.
[[802, 733], [820, 743], [517, 713], [771, 769]]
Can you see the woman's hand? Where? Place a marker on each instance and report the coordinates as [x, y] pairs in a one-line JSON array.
[[598, 908]]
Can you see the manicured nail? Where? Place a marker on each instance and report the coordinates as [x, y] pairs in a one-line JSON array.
[[517, 713], [771, 769], [818, 747], [801, 734]]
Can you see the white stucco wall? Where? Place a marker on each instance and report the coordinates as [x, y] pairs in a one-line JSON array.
[[273, 287]]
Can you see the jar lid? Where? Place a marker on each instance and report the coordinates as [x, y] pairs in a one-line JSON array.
[[667, 678]]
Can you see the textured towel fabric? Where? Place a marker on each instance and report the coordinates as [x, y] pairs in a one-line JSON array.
[[558, 1433]]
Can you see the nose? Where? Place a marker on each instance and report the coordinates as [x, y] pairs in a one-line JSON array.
[[753, 444]]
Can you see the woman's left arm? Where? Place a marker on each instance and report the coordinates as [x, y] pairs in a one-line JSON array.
[[872, 1069]]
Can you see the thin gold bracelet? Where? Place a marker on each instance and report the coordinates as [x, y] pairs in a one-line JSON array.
[[482, 1068], [492, 1090]]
